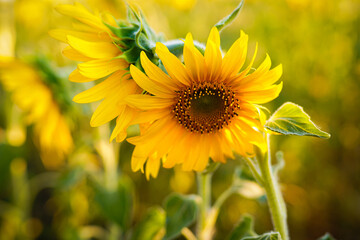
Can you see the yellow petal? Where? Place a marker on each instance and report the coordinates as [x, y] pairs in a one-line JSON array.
[[156, 74], [122, 122], [102, 67], [72, 54], [261, 70], [148, 85], [152, 166], [204, 151], [94, 49], [172, 64], [235, 57], [262, 96], [149, 116], [146, 102], [264, 80], [80, 13], [75, 76], [213, 61], [113, 103], [100, 90], [214, 37], [194, 60], [61, 35]]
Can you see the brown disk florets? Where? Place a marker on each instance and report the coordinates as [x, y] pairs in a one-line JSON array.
[[206, 107]]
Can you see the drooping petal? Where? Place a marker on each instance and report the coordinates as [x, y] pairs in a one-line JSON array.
[[101, 67], [100, 90], [72, 54], [94, 49], [75, 76]]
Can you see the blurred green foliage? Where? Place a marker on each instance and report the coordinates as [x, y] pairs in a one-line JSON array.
[[318, 43]]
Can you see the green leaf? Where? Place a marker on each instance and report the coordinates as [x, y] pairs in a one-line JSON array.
[[327, 236], [245, 228], [290, 119], [116, 204], [151, 225], [265, 236], [226, 21], [181, 212]]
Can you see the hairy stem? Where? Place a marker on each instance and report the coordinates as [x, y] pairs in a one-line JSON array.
[[274, 196], [204, 191]]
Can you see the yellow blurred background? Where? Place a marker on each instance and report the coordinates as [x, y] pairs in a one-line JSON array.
[[318, 43]]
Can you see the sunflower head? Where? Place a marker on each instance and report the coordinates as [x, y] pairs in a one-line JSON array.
[[106, 47], [37, 90], [202, 108]]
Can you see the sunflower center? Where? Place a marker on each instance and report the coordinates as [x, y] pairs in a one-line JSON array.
[[206, 108]]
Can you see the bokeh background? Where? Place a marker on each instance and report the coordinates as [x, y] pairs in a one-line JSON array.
[[318, 43]]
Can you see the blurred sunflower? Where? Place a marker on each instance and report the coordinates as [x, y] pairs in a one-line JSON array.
[[205, 108], [34, 96], [101, 51]]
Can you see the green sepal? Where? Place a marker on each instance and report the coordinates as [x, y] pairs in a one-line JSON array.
[[290, 119], [226, 21], [181, 211], [143, 42], [131, 55], [125, 32]]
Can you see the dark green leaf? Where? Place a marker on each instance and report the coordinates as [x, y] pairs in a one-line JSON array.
[[151, 225], [290, 119], [181, 212], [327, 236], [265, 236], [245, 228], [116, 204], [223, 23]]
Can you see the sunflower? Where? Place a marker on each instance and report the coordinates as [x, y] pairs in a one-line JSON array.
[[100, 50], [43, 111], [204, 108]]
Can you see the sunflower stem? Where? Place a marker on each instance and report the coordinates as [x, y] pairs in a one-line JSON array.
[[204, 191], [273, 193]]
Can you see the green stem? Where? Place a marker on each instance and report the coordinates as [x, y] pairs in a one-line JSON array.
[[273, 193], [204, 191]]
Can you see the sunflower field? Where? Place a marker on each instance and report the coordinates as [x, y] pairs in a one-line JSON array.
[[183, 119]]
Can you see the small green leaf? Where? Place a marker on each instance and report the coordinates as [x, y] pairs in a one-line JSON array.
[[265, 236], [245, 228], [151, 225], [116, 204], [327, 236], [226, 21], [181, 212], [290, 119]]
